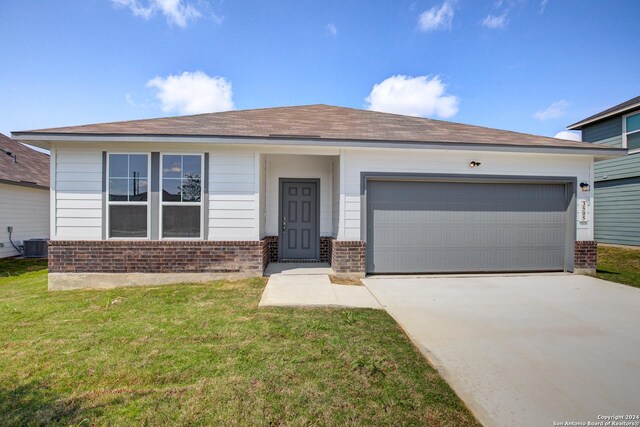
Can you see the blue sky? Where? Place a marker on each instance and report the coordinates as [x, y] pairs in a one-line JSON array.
[[526, 65]]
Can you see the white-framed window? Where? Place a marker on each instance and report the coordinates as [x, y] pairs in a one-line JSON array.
[[631, 132], [181, 190], [128, 195]]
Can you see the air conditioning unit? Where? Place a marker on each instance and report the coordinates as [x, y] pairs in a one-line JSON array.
[[35, 248]]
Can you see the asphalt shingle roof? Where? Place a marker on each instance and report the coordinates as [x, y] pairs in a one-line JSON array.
[[29, 167], [316, 122]]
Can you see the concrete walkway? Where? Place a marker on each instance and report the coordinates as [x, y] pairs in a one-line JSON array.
[[525, 350], [308, 285]]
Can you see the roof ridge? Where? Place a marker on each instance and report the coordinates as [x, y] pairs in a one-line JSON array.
[[366, 111], [178, 116], [323, 121]]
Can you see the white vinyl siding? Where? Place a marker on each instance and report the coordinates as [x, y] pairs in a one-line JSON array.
[[457, 162], [233, 196], [237, 177], [27, 211], [335, 195], [232, 206], [78, 194], [262, 206]]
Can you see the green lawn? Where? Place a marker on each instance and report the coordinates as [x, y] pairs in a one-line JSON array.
[[204, 355], [620, 265], [15, 267]]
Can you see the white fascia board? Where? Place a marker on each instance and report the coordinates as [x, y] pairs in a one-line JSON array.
[[46, 140]]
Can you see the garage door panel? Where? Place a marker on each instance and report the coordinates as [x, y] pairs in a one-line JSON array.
[[511, 259], [415, 227], [515, 234]]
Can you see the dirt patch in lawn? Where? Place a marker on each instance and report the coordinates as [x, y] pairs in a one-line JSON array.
[[351, 281]]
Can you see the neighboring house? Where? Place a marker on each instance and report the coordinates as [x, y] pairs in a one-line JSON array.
[[24, 194], [617, 180], [368, 192]]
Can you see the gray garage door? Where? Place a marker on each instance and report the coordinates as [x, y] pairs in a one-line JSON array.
[[421, 227]]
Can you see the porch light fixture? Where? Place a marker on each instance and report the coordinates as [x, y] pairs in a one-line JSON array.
[[474, 164], [584, 186]]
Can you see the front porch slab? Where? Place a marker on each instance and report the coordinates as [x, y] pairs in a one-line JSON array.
[[308, 285], [298, 268]]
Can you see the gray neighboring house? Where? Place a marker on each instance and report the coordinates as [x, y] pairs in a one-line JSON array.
[[617, 181]]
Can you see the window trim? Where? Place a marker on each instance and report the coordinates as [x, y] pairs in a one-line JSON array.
[[625, 133], [163, 203], [127, 203]]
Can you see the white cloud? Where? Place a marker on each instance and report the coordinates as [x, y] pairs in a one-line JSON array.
[[175, 11], [543, 5], [553, 111], [413, 96], [218, 19], [495, 21], [130, 100], [136, 8], [133, 102], [565, 134], [437, 18], [331, 29], [193, 93]]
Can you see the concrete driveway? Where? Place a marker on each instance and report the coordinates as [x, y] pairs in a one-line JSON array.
[[525, 350]]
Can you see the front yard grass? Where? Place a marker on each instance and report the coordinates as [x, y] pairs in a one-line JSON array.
[[205, 355], [16, 267], [621, 265]]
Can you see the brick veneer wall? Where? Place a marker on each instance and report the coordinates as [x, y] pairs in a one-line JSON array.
[[265, 253], [348, 256], [272, 248], [325, 248], [586, 254], [156, 256]]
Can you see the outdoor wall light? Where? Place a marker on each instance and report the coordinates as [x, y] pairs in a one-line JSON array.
[[584, 186], [473, 164]]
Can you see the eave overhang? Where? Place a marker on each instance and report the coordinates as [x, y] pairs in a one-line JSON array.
[[579, 125], [45, 140]]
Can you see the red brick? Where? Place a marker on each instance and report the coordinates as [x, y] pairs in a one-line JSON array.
[[156, 256], [586, 254]]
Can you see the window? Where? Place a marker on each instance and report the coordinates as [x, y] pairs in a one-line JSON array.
[[128, 187], [181, 207], [631, 131]]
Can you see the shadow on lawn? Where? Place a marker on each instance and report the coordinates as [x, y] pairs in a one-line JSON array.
[[17, 266], [606, 271], [36, 404]]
